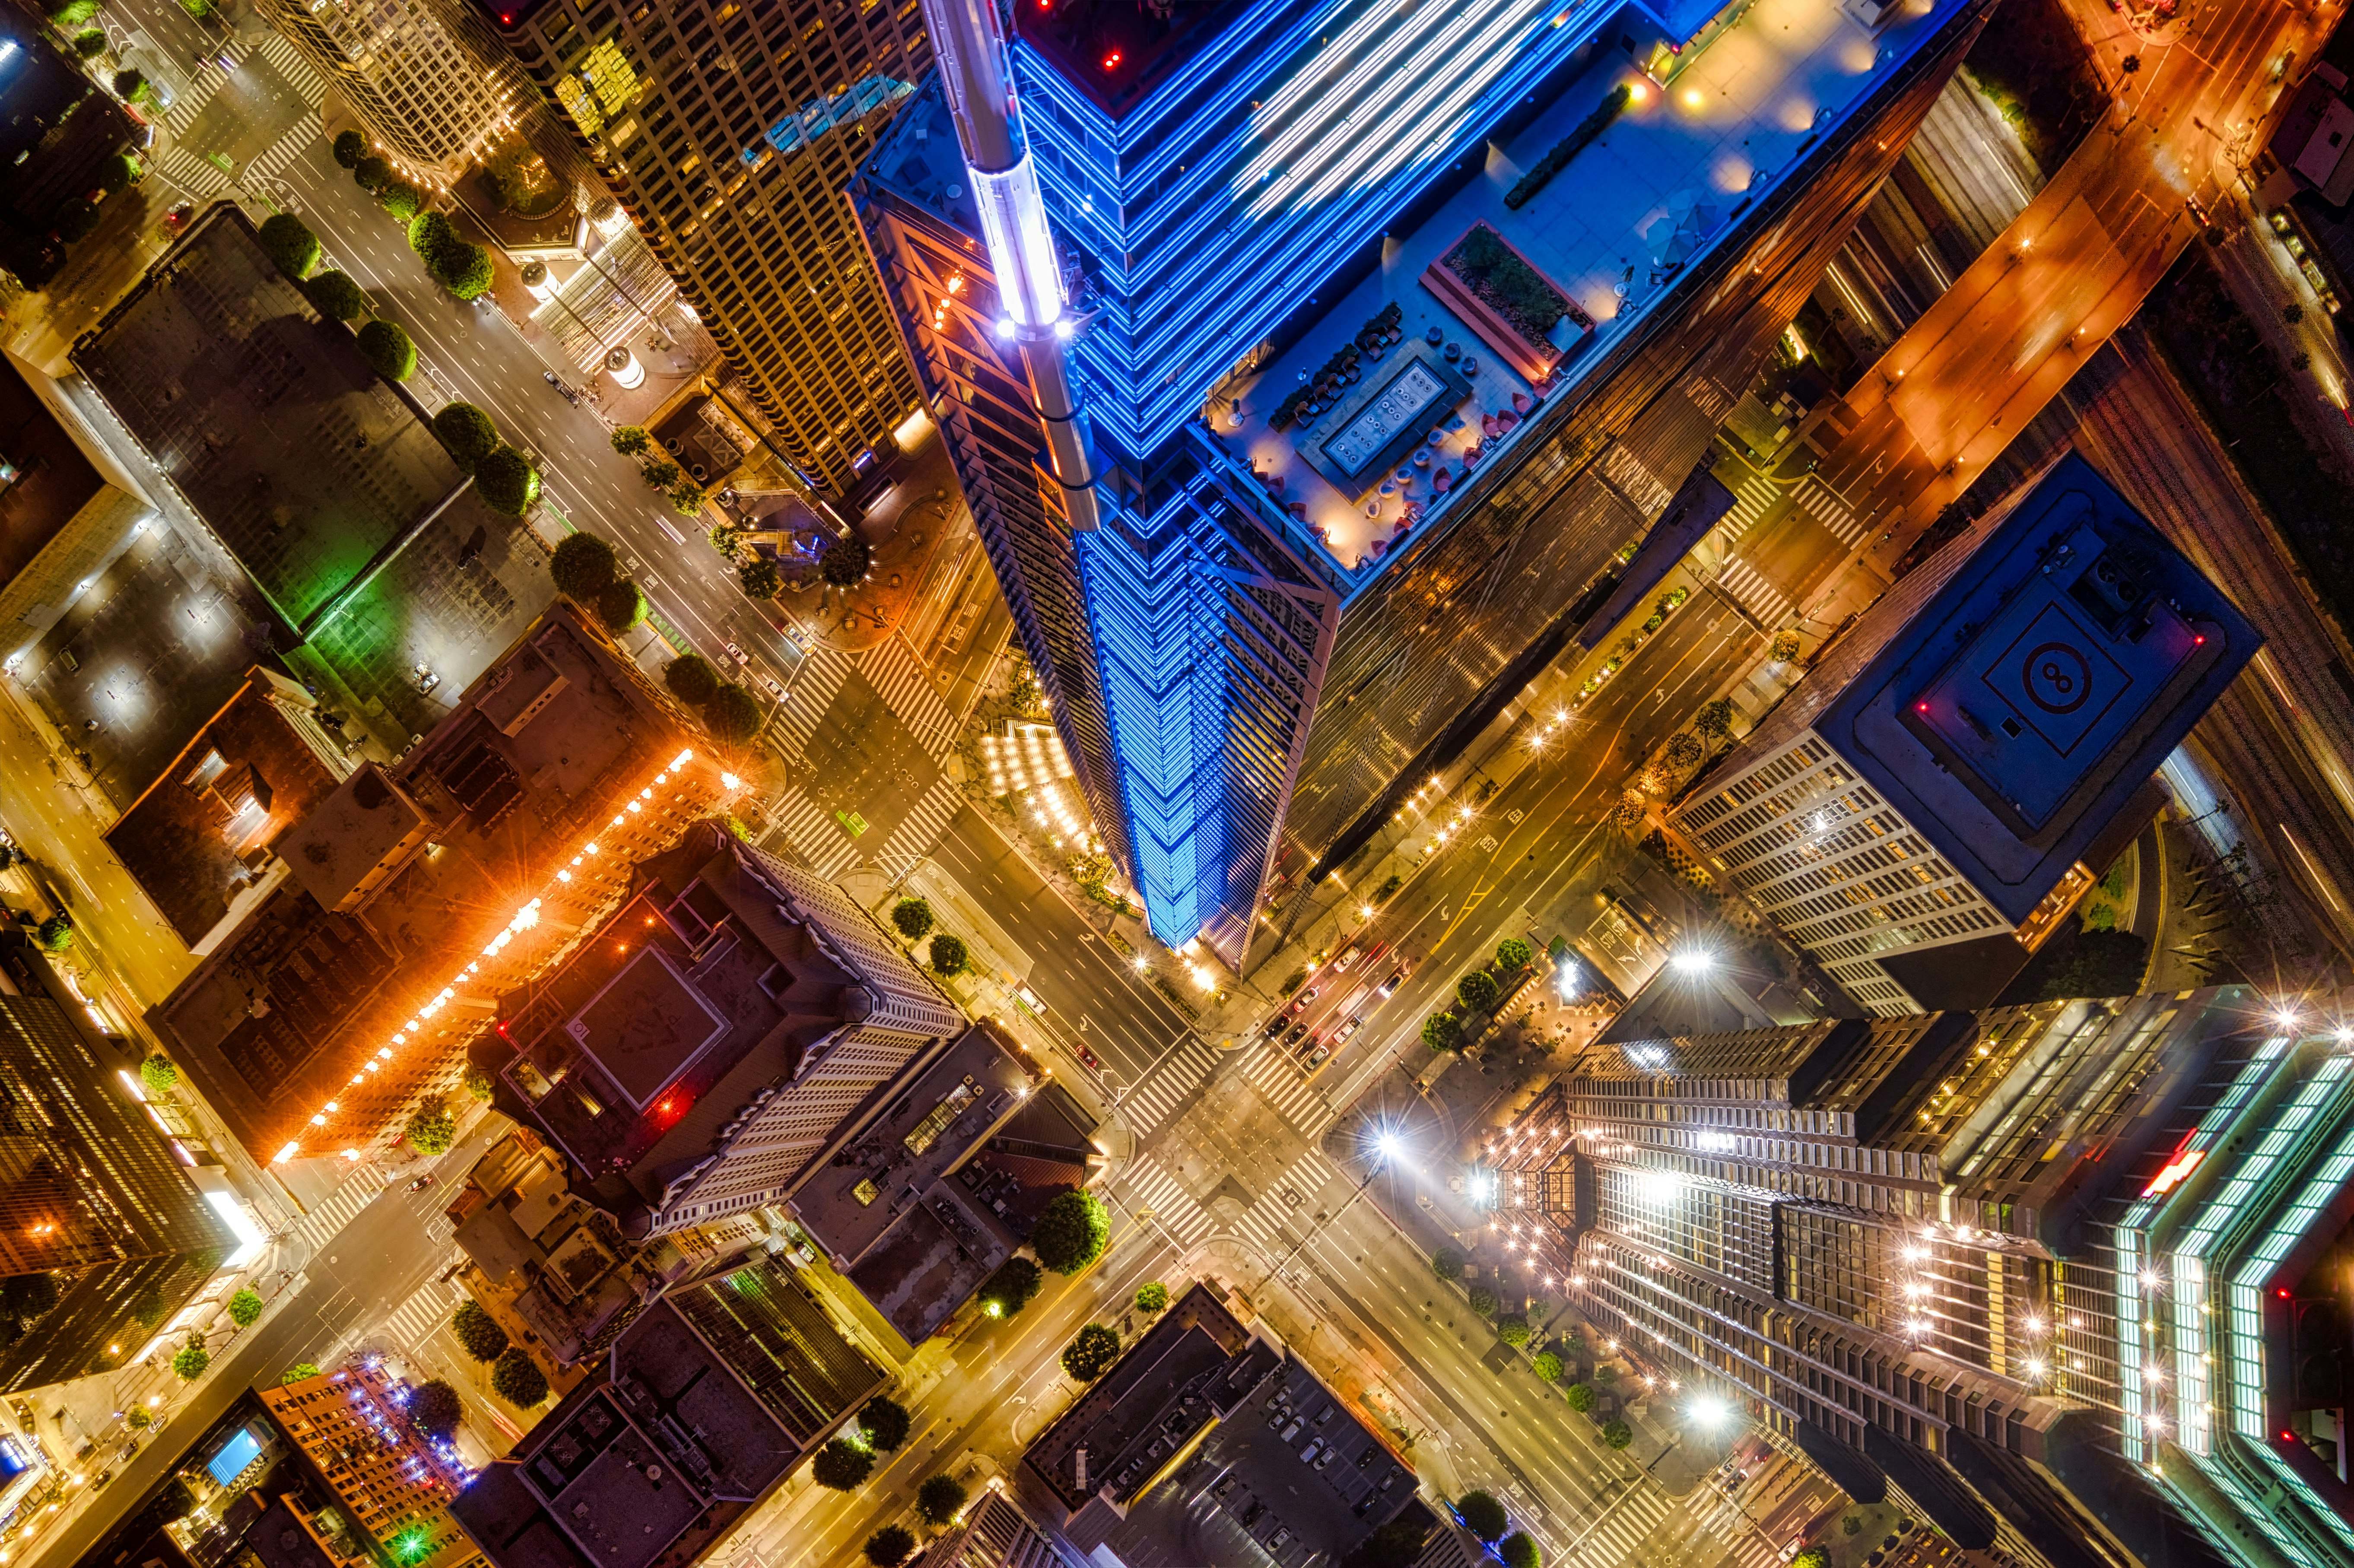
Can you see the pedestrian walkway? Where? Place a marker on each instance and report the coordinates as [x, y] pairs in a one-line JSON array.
[[1764, 602], [1625, 1522], [1826, 508], [1280, 1081], [820, 677], [1170, 1204], [414, 1320], [813, 830], [322, 1223], [1165, 1087], [919, 829], [1273, 1223], [907, 692], [1751, 499]]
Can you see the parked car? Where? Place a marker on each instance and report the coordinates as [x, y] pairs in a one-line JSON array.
[[1030, 1000], [1388, 988]]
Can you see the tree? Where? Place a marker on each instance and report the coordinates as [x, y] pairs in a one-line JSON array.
[[297, 1372], [159, 1075], [177, 1500], [463, 268], [434, 1410], [137, 1418], [2131, 65], [517, 1378], [191, 1359], [1605, 1375], [733, 715], [886, 1423], [479, 1087], [621, 607], [131, 88], [938, 1499], [290, 244], [429, 234], [2096, 964], [1483, 1301], [841, 1466], [686, 498], [1090, 1354], [1785, 646], [119, 174], [1151, 1299], [69, 13], [2291, 312], [1617, 1435], [1012, 1288], [1519, 1551], [477, 1333], [1513, 1330], [334, 296], [432, 1129], [631, 440], [1580, 1396], [56, 934], [1477, 991], [1851, 1525], [467, 434], [349, 148], [1447, 1263], [1683, 750], [582, 565], [759, 578], [1546, 1365], [401, 199], [374, 175], [1442, 1031], [244, 1308], [1812, 1557], [1482, 1515], [77, 218], [91, 44], [508, 483], [949, 953], [1513, 953], [388, 351], [1714, 721], [661, 473], [1072, 1231], [913, 917], [845, 561], [691, 679], [889, 1546]]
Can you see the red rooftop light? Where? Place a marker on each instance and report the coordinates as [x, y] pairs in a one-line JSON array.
[[1920, 708], [1111, 61]]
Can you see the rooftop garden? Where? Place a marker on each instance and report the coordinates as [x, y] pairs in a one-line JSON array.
[[1503, 280]]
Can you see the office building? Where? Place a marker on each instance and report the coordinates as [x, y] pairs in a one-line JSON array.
[[394, 1481], [704, 1404], [728, 132], [411, 897], [102, 1233], [1336, 507], [699, 1048], [2031, 1269], [1959, 768], [61, 128], [65, 504], [995, 1533], [427, 98]]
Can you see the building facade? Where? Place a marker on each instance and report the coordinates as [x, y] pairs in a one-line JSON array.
[[1967, 760], [728, 132], [424, 95], [395, 1481], [1319, 554]]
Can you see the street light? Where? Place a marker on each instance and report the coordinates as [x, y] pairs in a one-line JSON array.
[[1693, 962], [1389, 1149]]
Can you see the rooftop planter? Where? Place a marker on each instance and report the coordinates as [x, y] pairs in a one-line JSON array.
[[1558, 155], [1502, 297]]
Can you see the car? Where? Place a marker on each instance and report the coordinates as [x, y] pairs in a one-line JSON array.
[[1030, 1000], [1297, 1031], [1316, 1057], [1310, 1449], [1388, 988], [738, 655], [1291, 1429], [1305, 997], [1275, 1026], [1347, 1029], [421, 1182], [776, 688], [1326, 1457], [1348, 956]]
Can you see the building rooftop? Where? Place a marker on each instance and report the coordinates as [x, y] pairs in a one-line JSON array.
[[201, 837], [2011, 694], [45, 477], [56, 129]]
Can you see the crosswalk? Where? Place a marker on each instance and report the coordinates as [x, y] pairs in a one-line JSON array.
[[1751, 499], [336, 1212], [814, 831], [1764, 602], [200, 176], [414, 1319], [919, 829], [1623, 1526], [1272, 1070], [892, 670], [1273, 1223], [1173, 1207], [1826, 508], [821, 674], [1164, 1088]]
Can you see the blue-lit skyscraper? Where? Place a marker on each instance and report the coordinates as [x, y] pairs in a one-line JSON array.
[[1393, 323]]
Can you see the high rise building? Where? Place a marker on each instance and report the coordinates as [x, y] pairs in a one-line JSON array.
[[423, 94], [699, 1047], [103, 1234], [1328, 329], [2034, 1269], [1964, 762], [395, 1481], [728, 132]]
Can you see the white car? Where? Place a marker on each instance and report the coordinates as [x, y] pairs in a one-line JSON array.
[[738, 655], [775, 687], [1030, 1000]]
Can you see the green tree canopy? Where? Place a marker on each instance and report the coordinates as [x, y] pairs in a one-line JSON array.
[[1546, 1365], [1513, 953], [841, 1466], [1715, 720], [686, 498], [938, 1499], [1396, 1544], [2095, 963], [56, 934], [388, 350], [845, 561], [119, 174], [508, 483], [1447, 1263], [582, 565], [464, 268], [950, 955], [28, 1297], [631, 440], [1513, 1330], [434, 1409], [759, 578], [691, 679], [1152, 1298], [1091, 1352], [1442, 1031], [72, 13], [1012, 1288], [432, 1129], [661, 473], [1072, 1231], [1617, 1435], [374, 175], [429, 234], [621, 606], [913, 917], [245, 1307], [479, 1087], [297, 1372], [90, 44], [733, 715], [334, 296], [290, 244], [1482, 1515], [401, 199], [133, 88], [477, 1333], [1519, 1550], [1812, 1557], [349, 148], [1483, 1301], [517, 1378], [886, 1423], [889, 1546], [1477, 991], [468, 434], [190, 1361], [159, 1075]]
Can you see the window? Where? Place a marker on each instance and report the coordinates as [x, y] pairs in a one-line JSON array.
[[208, 770]]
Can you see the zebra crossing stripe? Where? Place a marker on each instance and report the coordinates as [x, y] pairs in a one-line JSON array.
[[1755, 595], [1829, 510], [899, 679], [1751, 499], [340, 1205], [813, 832], [914, 837], [1619, 1535], [417, 1318], [1297, 1100], [1173, 1207], [1162, 1090]]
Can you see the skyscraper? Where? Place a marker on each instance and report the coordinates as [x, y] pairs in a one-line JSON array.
[[1338, 500], [2033, 1268], [728, 132], [421, 92], [1963, 763]]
